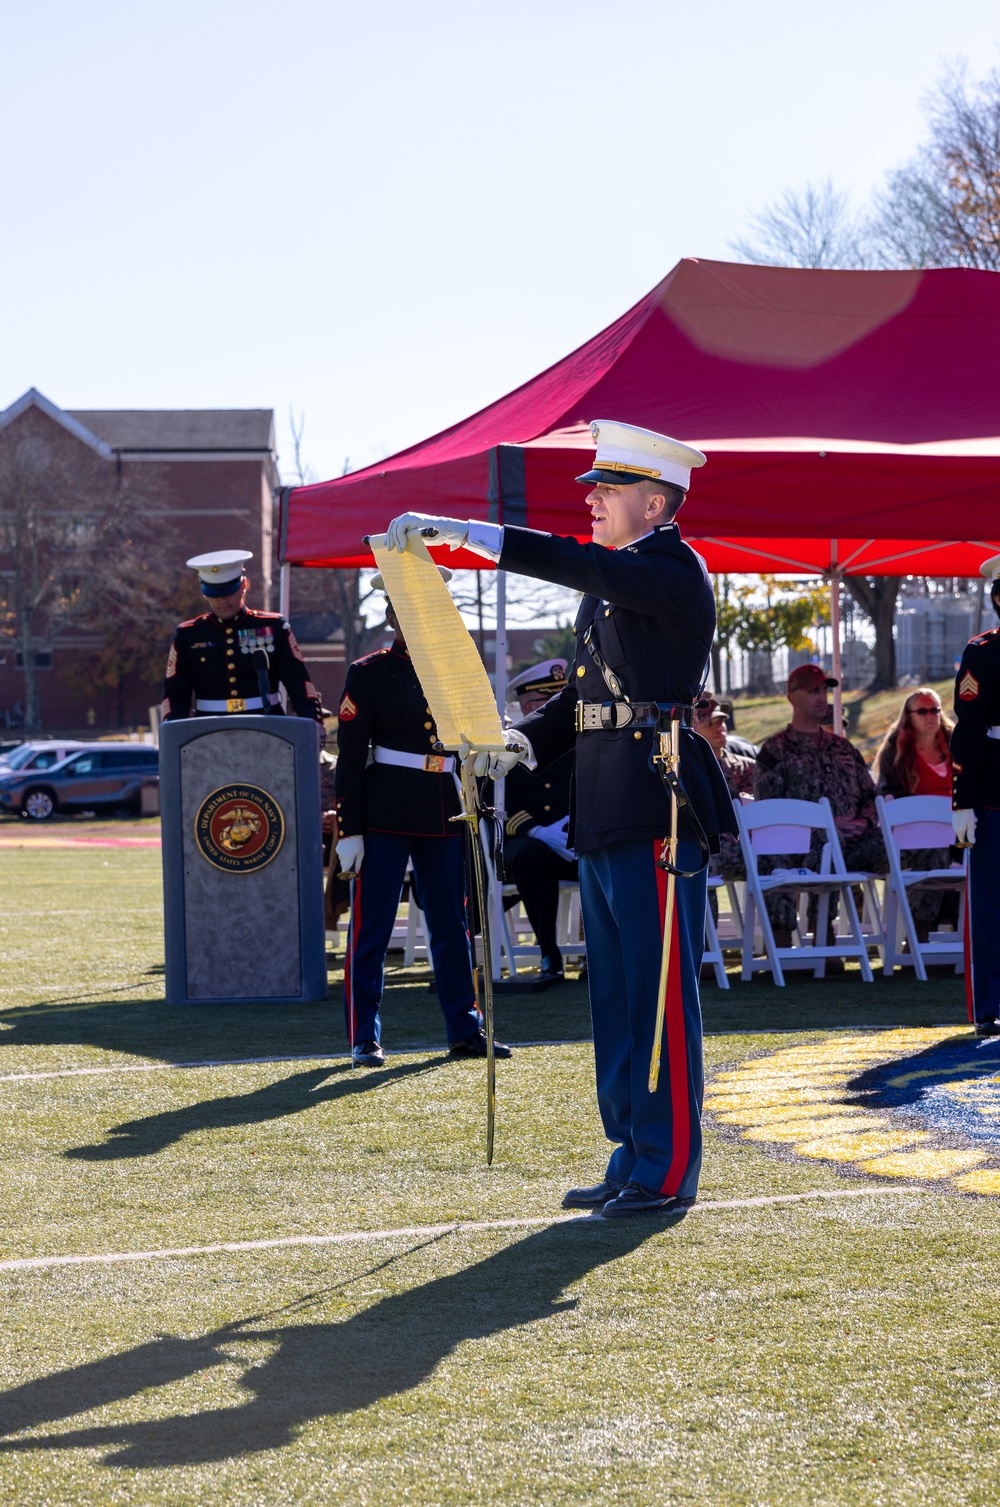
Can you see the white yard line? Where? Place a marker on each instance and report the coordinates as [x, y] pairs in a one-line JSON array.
[[410, 1232]]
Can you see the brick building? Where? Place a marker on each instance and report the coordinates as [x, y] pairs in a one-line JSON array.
[[213, 476]]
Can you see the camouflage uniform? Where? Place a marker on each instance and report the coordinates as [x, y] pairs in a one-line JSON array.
[[739, 772], [793, 766]]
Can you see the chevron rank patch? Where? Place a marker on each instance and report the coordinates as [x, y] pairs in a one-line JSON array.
[[348, 710], [968, 687]]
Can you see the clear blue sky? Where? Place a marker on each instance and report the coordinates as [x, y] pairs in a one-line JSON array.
[[387, 214]]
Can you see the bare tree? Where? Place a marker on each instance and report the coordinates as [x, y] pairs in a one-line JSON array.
[[814, 228], [942, 208], [67, 518]]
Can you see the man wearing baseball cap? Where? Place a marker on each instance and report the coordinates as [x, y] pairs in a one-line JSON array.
[[804, 762]]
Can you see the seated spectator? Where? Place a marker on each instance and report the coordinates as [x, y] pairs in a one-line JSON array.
[[915, 759], [536, 853], [710, 724], [806, 761]]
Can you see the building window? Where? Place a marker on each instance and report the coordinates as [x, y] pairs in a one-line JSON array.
[[43, 659]]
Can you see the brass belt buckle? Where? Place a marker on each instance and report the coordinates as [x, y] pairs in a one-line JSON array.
[[236, 704], [434, 763], [579, 716]]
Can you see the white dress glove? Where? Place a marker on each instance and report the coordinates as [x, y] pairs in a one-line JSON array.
[[452, 531], [497, 766], [964, 823], [554, 837], [351, 853]]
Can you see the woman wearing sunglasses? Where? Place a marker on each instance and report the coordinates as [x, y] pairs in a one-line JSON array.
[[914, 759]]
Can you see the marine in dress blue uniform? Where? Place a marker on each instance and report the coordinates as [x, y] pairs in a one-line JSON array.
[[644, 631], [214, 666], [396, 795], [975, 755]]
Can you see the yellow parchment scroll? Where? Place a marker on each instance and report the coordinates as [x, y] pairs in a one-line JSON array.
[[451, 673]]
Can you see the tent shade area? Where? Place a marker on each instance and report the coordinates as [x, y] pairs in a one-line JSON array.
[[857, 406], [851, 422]]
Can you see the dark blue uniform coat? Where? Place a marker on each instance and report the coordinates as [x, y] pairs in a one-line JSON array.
[[214, 660], [653, 612], [976, 784]]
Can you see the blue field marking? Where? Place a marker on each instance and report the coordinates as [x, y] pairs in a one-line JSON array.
[[953, 1086]]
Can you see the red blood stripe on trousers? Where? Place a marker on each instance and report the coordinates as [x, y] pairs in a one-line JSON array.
[[676, 1042]]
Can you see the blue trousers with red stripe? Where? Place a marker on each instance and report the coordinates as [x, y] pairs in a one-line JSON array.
[[982, 938], [623, 896], [439, 870]]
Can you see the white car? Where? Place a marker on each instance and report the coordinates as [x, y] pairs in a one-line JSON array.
[[39, 754]]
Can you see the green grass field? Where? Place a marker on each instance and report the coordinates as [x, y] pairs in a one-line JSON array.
[[406, 1325]]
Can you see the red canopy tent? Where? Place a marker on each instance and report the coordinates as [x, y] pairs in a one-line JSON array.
[[851, 420]]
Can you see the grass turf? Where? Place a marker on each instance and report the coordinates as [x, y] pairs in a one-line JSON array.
[[825, 1351]]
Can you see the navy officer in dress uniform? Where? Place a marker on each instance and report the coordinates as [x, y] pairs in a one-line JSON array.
[[536, 851], [975, 763], [396, 796], [644, 632], [215, 662]]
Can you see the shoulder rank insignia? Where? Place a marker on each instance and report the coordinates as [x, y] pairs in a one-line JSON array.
[[348, 710], [968, 687]]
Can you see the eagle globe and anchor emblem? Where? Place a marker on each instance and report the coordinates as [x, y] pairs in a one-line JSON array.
[[239, 828]]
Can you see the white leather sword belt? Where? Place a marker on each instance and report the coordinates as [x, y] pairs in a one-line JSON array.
[[236, 704], [429, 763], [603, 716]]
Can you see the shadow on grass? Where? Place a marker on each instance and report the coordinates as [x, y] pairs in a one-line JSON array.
[[317, 1370], [287, 1096]]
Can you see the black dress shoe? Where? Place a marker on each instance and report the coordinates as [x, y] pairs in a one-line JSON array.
[[591, 1198], [475, 1046], [988, 1027], [552, 970], [367, 1054], [634, 1198]]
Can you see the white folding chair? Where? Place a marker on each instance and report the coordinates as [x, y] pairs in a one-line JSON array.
[[515, 927], [785, 827], [712, 955], [918, 821]]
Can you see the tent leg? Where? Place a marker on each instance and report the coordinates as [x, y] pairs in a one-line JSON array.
[[500, 685], [285, 590], [838, 703]]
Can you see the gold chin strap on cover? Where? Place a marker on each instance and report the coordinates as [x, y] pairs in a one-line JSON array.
[[453, 678]]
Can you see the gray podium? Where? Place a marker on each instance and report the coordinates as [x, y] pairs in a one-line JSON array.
[[242, 860]]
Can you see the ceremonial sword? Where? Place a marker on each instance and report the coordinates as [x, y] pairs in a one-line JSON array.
[[484, 995], [668, 760]]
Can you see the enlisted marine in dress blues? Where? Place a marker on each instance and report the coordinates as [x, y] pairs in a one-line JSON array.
[[214, 665], [975, 756], [645, 626], [397, 794]]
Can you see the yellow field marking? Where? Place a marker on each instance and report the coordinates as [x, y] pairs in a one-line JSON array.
[[855, 1148], [409, 1232], [780, 1114], [929, 1164], [811, 1128], [986, 1181]]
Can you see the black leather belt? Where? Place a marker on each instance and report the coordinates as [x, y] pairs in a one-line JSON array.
[[604, 716]]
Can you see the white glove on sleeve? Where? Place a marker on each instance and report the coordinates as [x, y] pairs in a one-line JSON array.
[[497, 766], [554, 837], [964, 823], [351, 853], [452, 531]]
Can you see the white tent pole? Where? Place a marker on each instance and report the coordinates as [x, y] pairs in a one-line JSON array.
[[838, 703], [500, 685], [285, 589]]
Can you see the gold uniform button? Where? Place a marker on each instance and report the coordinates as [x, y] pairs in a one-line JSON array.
[[428, 725], [548, 784], [637, 737], [581, 670], [548, 808], [607, 612]]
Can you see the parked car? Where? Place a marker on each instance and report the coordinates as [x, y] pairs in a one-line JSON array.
[[100, 777], [36, 754]]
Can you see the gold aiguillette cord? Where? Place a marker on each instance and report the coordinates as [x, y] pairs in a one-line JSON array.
[[669, 755]]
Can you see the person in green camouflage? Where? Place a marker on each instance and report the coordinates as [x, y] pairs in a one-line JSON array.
[[805, 761]]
